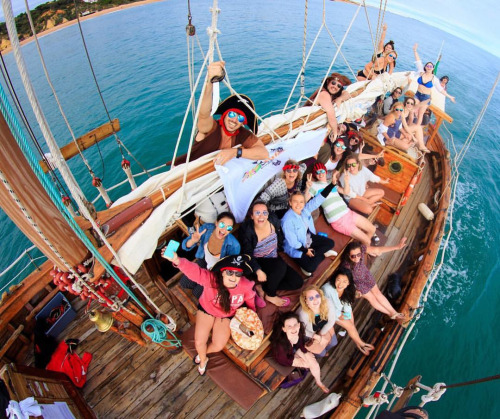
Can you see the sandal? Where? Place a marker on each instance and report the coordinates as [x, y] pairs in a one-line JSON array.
[[286, 300], [196, 359], [201, 370], [259, 301]]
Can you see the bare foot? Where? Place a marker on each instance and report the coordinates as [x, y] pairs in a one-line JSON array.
[[323, 388], [277, 301]]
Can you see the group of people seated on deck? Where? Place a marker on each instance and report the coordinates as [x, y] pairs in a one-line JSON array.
[[251, 270]]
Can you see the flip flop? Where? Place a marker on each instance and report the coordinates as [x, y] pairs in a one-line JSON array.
[[259, 301], [196, 359], [287, 301], [398, 316], [201, 370]]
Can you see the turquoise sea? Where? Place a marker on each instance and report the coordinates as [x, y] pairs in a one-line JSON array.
[[139, 55]]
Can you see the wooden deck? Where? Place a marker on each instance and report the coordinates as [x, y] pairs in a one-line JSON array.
[[127, 380]]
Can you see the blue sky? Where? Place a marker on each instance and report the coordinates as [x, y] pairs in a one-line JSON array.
[[473, 21]]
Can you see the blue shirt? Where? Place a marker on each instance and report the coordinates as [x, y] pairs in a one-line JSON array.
[[231, 246], [295, 227]]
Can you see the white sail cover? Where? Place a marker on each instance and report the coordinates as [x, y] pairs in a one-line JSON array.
[[243, 178]]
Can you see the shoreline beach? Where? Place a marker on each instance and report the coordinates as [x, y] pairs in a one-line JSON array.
[[75, 21]]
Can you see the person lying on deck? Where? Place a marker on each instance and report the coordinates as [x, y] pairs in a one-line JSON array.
[[384, 60], [353, 259], [337, 214], [330, 97], [278, 193], [356, 176], [213, 242], [301, 241], [341, 291], [289, 346], [318, 316], [225, 289], [261, 237], [229, 130]]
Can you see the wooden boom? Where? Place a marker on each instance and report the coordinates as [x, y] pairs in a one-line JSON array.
[[86, 141]]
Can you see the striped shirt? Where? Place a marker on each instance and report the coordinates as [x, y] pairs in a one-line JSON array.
[[268, 247], [334, 206]]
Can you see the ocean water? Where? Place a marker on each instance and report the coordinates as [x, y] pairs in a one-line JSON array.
[[139, 55]]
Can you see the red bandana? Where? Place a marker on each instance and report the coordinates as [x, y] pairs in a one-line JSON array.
[[221, 122]]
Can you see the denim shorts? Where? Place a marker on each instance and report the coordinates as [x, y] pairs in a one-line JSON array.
[[423, 97]]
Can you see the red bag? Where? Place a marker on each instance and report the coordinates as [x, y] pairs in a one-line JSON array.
[[65, 361]]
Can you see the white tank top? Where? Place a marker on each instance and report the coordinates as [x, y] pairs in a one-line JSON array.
[[209, 258]]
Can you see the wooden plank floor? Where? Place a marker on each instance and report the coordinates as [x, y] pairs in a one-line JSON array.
[[127, 380]]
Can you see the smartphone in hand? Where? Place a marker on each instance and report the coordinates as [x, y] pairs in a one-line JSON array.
[[171, 248]]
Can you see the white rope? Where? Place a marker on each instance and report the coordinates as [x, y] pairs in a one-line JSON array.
[[49, 81], [25, 252], [304, 42]]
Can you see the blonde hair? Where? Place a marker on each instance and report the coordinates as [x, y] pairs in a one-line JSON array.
[[323, 308]]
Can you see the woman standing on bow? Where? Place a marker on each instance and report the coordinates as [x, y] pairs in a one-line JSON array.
[[426, 81]]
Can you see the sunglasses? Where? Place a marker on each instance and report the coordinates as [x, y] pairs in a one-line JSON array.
[[398, 92], [237, 274], [399, 110], [233, 114], [393, 56], [228, 228], [357, 255], [264, 213], [291, 170], [336, 82], [410, 103], [339, 145], [351, 164], [355, 140], [429, 66], [320, 171], [314, 297]]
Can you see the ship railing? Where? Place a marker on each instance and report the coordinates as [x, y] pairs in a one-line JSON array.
[[32, 263]]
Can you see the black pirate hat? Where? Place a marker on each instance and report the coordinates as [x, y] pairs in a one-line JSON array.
[[234, 263], [234, 102]]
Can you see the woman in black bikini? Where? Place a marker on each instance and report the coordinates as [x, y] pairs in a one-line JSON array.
[[385, 60]]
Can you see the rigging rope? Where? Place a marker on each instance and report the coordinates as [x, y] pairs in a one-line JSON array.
[[56, 97], [117, 138], [303, 68]]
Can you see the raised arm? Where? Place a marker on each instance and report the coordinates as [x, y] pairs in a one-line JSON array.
[[325, 100], [417, 58], [382, 39], [205, 120]]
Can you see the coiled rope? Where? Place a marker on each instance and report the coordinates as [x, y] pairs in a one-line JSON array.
[[158, 332]]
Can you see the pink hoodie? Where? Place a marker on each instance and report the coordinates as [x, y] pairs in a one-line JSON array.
[[242, 293]]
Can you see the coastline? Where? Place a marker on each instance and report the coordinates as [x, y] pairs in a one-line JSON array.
[[75, 21]]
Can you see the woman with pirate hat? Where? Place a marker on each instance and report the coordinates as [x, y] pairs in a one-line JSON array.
[[229, 131], [225, 289]]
